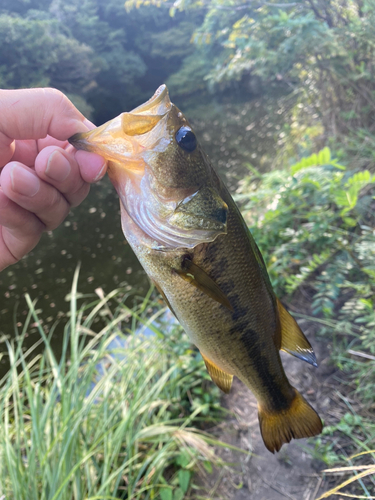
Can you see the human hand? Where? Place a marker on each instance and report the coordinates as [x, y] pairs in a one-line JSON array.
[[41, 174]]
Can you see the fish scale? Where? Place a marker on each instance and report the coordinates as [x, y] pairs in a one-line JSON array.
[[204, 261]]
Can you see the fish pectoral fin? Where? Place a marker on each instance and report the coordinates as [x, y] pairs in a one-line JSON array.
[[300, 420], [293, 341], [165, 298], [194, 275], [221, 378]]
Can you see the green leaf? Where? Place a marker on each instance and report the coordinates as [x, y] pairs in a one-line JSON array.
[[178, 494], [335, 164], [341, 198], [370, 272], [349, 221], [208, 466], [314, 159], [166, 494], [184, 479], [307, 180], [324, 156], [183, 459], [360, 180], [368, 303]]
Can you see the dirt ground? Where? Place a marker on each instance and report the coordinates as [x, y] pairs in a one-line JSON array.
[[293, 473]]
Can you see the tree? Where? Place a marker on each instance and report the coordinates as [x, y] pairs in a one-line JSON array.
[[325, 47]]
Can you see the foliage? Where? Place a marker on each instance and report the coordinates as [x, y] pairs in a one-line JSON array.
[[190, 78], [314, 223], [112, 418], [84, 48], [56, 59], [316, 230], [173, 42], [108, 59], [114, 58], [322, 49]]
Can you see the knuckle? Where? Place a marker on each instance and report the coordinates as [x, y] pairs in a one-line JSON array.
[[57, 210], [30, 226], [80, 195], [81, 188], [52, 201], [54, 94], [57, 100]]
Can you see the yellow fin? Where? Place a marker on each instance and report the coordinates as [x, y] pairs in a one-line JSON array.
[[300, 420], [200, 279], [293, 341], [222, 379]]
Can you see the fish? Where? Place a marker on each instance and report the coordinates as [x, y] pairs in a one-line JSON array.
[[195, 246]]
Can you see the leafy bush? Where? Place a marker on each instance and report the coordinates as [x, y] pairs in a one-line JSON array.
[[310, 220], [314, 223]]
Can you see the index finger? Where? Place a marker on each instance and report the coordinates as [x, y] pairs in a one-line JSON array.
[[34, 113]]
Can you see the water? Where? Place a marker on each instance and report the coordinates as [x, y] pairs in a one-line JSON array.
[[232, 135]]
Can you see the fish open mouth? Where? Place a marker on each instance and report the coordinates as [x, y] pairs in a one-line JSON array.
[[172, 217], [126, 136]]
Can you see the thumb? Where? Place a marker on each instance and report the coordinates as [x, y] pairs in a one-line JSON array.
[[34, 113]]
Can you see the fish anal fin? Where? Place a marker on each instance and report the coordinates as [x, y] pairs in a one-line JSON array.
[[165, 298], [300, 420], [194, 275], [221, 378], [293, 340]]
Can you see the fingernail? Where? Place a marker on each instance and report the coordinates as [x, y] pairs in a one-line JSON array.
[[89, 124], [100, 174], [80, 126], [23, 181], [89, 164], [58, 167]]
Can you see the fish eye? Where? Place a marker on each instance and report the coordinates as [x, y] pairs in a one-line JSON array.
[[186, 139]]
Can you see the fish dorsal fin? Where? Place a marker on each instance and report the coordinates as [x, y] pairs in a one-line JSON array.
[[221, 378], [194, 275], [293, 341]]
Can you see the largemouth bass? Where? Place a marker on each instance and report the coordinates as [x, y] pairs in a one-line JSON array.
[[193, 243]]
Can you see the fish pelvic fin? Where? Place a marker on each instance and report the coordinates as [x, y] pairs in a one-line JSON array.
[[293, 340], [300, 420], [221, 378]]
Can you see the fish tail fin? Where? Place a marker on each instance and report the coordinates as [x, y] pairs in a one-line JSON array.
[[300, 420]]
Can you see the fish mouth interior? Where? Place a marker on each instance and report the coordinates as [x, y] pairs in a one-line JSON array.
[[158, 104], [125, 137]]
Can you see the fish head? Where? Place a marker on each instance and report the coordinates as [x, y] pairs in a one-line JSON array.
[[163, 177]]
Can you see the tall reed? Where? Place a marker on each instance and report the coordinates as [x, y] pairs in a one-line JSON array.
[[110, 419]]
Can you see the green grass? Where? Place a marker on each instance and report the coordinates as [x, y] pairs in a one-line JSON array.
[[112, 418]]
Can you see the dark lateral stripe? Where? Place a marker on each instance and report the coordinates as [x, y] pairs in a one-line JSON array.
[[256, 350]]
